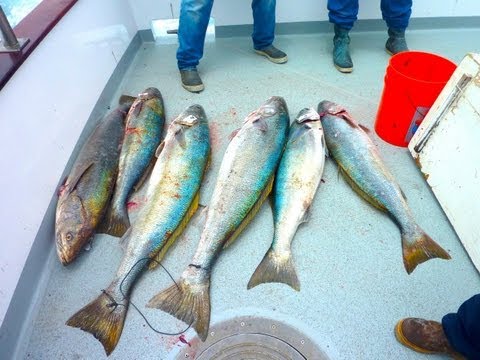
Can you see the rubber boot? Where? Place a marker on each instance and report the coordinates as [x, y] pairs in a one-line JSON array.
[[424, 336], [396, 41], [191, 81], [341, 52]]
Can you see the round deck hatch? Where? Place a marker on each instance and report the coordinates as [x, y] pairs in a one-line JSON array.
[[252, 338]]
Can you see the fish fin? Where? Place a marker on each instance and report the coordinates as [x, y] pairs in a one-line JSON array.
[[233, 134], [146, 174], [364, 128], [251, 214], [159, 149], [188, 302], [158, 255], [115, 222], [297, 134], [324, 145], [275, 268], [62, 187], [180, 137], [346, 115], [103, 318], [126, 100], [372, 201], [74, 178], [261, 124], [307, 214], [125, 238], [419, 250]]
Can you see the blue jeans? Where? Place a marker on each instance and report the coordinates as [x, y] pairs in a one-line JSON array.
[[396, 13], [194, 16], [463, 328]]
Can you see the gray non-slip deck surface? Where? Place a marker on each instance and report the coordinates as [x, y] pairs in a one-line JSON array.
[[353, 284]]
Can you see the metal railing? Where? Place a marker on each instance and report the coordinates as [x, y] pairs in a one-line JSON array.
[[9, 42]]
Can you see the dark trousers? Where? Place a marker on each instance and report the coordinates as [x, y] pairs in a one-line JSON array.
[[396, 13], [463, 328]]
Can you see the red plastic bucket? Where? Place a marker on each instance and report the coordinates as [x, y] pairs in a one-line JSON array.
[[413, 81]]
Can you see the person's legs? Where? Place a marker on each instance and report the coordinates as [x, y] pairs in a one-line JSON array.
[[263, 23], [457, 335], [264, 31], [396, 14], [342, 13], [463, 328], [194, 17]]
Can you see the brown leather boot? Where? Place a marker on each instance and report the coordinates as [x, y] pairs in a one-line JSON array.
[[424, 336]]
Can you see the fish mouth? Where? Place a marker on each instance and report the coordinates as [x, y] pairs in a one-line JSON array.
[[65, 258], [150, 93], [306, 115], [329, 107]]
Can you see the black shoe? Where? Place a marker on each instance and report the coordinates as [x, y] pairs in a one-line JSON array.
[[341, 52], [273, 54], [396, 42], [191, 80]]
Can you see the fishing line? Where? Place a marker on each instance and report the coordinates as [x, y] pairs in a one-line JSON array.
[[114, 304]]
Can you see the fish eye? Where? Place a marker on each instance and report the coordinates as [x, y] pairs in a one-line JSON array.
[[69, 236]]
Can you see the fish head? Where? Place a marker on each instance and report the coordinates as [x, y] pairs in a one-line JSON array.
[[329, 107], [307, 115], [71, 228], [193, 115], [273, 106], [150, 93]]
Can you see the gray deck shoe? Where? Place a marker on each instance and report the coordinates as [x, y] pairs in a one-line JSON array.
[[273, 54], [396, 41], [341, 51], [191, 80]]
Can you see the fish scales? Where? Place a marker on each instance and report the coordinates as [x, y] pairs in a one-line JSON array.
[[243, 182], [143, 131], [297, 179], [364, 170], [172, 195], [84, 196]]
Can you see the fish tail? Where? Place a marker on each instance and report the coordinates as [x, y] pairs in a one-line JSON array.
[[420, 248], [188, 301], [103, 318], [116, 222], [275, 267]]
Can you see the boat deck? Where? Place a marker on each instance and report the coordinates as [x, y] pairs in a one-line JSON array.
[[348, 257]]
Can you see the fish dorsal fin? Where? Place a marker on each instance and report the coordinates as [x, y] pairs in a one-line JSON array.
[[75, 176], [253, 211], [159, 149]]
